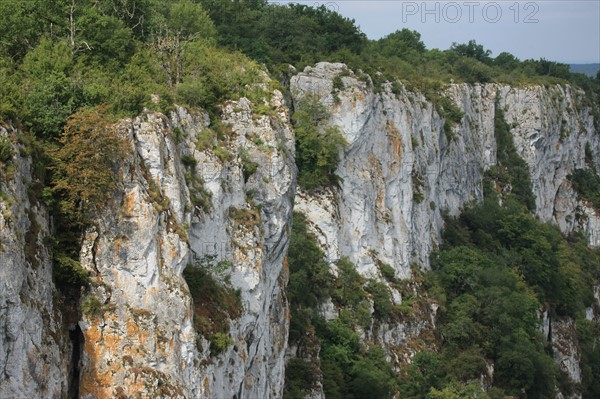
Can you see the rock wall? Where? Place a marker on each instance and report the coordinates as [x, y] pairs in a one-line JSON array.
[[143, 340], [401, 169], [35, 351]]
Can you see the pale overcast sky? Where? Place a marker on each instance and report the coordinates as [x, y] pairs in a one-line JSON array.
[[563, 31]]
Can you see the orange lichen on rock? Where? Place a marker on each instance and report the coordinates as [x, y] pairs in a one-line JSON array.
[[395, 138], [94, 383], [129, 203]]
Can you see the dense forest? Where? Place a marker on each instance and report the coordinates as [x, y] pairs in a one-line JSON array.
[[70, 68]]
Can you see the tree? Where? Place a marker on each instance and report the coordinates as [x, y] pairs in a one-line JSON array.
[[184, 22], [50, 95], [506, 61], [86, 165], [405, 44], [105, 37], [472, 50]]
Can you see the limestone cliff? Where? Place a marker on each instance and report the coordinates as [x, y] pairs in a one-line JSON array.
[[35, 350], [143, 341], [403, 167], [189, 192], [401, 170]]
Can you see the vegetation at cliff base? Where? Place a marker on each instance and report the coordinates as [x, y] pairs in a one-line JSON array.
[[348, 367], [498, 267]]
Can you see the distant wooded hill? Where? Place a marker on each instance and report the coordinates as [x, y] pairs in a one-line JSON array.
[[587, 69]]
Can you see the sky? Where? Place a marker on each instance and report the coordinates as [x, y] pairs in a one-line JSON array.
[[563, 31]]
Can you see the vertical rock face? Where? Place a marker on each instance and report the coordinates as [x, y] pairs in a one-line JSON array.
[[249, 227], [34, 351], [551, 129], [187, 195], [401, 168], [142, 340]]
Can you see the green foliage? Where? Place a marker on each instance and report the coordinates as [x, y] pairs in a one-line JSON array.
[[424, 373], [262, 31], [589, 341], [402, 43], [67, 272], [589, 156], [199, 195], [189, 162], [91, 306], [459, 391], [6, 150], [317, 145], [349, 285], [418, 185], [213, 75], [215, 302], [387, 271], [557, 269], [188, 19], [86, 166], [310, 280], [106, 37], [219, 343], [498, 266], [10, 93], [587, 185], [300, 378], [249, 167], [56, 58], [491, 314], [371, 378], [472, 50], [50, 95], [244, 217], [338, 83], [472, 71], [351, 370], [511, 170], [382, 300]]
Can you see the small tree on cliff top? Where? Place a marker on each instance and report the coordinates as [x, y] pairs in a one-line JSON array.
[[86, 165]]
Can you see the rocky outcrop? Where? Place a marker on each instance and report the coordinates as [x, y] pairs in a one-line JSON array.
[[142, 340], [35, 352], [404, 166], [189, 194], [401, 168], [249, 226]]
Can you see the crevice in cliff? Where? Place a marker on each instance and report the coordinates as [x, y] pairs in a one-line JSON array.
[[77, 340]]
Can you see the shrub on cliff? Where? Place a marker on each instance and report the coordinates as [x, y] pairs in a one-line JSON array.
[[216, 302], [318, 146], [587, 185], [86, 165]]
